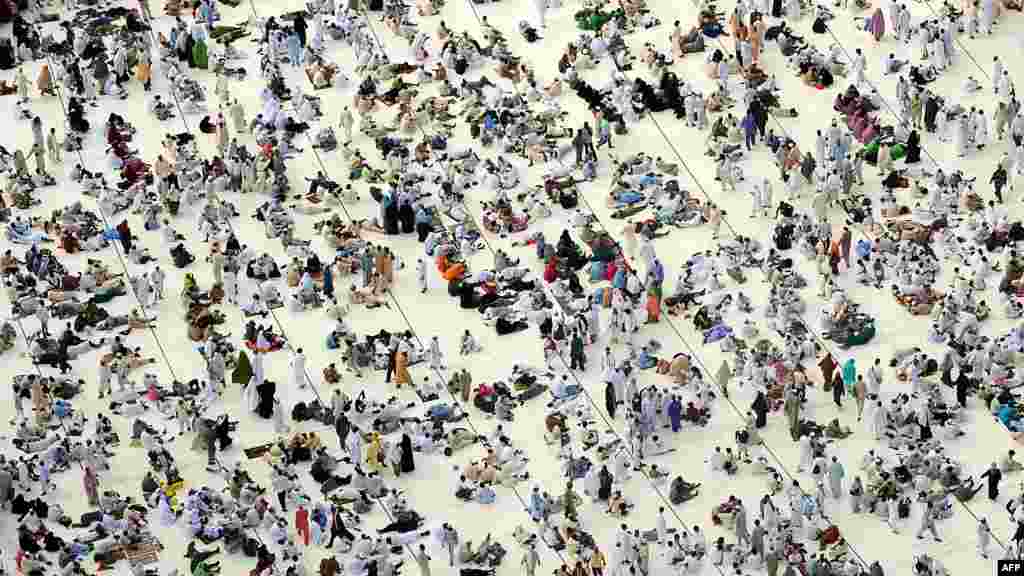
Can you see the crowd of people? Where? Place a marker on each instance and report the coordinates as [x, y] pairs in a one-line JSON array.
[[639, 374]]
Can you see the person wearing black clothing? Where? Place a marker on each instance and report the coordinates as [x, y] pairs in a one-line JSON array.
[[1018, 535], [998, 180], [392, 352], [342, 427], [405, 522], [338, 529], [588, 141], [232, 246], [760, 408], [408, 464], [149, 485], [609, 399], [300, 29], [268, 27], [913, 148], [758, 114], [315, 183], [577, 359], [994, 476], [579, 143], [26, 541], [604, 490], [838, 390]]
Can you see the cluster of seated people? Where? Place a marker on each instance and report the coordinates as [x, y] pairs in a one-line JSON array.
[[321, 74]]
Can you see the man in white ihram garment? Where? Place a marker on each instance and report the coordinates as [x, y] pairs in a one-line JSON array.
[[298, 364]]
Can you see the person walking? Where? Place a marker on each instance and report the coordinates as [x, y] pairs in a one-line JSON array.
[[928, 523], [860, 394], [302, 523], [338, 529], [531, 559], [742, 533], [994, 476], [423, 561], [597, 562], [450, 541], [836, 473]]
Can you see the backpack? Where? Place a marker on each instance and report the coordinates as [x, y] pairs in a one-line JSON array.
[[299, 412], [819, 26]]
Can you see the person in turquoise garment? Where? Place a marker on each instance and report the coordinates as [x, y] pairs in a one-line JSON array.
[[850, 374]]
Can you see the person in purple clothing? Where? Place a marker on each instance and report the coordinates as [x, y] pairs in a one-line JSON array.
[[749, 126]]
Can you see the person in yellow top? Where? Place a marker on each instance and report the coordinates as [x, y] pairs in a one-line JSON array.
[[597, 562], [373, 452]]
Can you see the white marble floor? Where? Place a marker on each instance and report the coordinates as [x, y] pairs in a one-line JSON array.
[[429, 489]]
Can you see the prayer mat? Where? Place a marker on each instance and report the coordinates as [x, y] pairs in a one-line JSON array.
[[142, 553]]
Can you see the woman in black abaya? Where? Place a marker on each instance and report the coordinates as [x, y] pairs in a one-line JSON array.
[[265, 391], [913, 148], [407, 463], [760, 408], [391, 218]]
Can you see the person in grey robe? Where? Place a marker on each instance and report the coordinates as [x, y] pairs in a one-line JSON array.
[[237, 113], [742, 533], [723, 377]]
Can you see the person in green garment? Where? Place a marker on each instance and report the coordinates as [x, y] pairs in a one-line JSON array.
[[243, 370], [576, 356], [850, 374]]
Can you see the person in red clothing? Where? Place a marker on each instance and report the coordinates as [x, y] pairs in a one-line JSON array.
[[302, 524]]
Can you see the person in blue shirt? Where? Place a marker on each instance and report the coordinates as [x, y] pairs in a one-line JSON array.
[[1006, 415], [294, 49], [749, 130], [334, 340]]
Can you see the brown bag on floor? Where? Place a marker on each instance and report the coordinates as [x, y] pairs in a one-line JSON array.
[[329, 567]]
